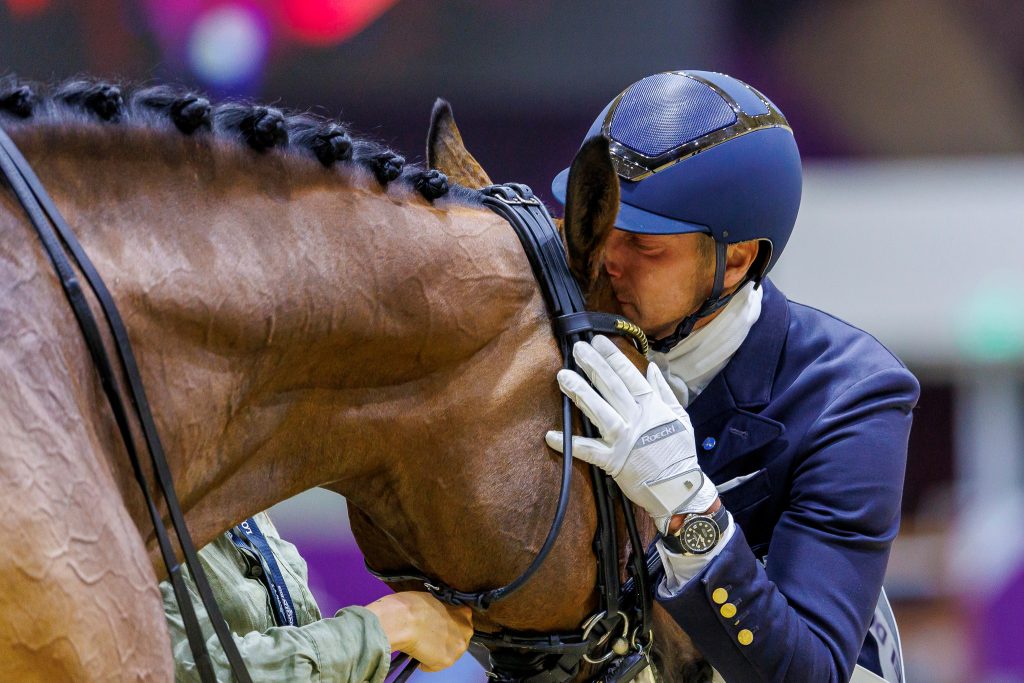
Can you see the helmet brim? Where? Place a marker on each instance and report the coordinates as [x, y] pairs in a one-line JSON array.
[[559, 184], [632, 219]]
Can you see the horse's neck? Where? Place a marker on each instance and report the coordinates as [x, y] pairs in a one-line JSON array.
[[292, 325]]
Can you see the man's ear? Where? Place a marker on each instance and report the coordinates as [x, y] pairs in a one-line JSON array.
[[591, 206], [740, 260], [447, 153]]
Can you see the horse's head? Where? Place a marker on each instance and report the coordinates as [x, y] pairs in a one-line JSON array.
[[500, 490], [592, 202]]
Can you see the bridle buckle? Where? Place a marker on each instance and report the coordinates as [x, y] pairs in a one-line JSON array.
[[513, 194]]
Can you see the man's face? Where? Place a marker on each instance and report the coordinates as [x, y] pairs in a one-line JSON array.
[[659, 279]]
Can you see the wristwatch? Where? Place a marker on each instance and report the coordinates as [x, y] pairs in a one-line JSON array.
[[699, 534]]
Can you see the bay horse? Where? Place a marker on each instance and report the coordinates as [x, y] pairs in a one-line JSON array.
[[306, 311]]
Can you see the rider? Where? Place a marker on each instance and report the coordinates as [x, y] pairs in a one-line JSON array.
[[260, 583], [768, 439]]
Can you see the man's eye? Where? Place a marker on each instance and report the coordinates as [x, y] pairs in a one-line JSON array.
[[644, 246]]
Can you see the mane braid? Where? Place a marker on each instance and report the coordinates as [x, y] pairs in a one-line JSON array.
[[99, 98], [189, 111], [329, 141], [431, 184], [15, 98], [261, 128]]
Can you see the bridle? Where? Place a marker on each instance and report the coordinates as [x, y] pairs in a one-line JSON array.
[[624, 614], [618, 636]]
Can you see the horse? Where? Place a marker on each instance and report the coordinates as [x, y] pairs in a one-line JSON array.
[[306, 310]]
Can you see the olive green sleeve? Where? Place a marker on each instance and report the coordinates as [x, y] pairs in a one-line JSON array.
[[347, 648], [350, 647]]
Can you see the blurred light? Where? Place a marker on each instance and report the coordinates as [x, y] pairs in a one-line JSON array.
[[992, 324], [172, 22], [325, 22], [22, 9], [227, 46]]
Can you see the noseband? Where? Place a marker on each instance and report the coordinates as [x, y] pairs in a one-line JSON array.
[[617, 638]]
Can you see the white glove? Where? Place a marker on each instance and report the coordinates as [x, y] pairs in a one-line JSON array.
[[647, 442]]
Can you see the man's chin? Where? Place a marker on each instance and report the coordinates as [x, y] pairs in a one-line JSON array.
[[656, 331], [660, 331]]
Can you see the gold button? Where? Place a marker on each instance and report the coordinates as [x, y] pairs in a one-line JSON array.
[[745, 637], [720, 595], [728, 610]]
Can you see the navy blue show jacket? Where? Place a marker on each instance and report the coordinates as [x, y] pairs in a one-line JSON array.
[[817, 414]]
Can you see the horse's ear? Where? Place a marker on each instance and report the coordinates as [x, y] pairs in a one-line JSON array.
[[447, 153], [591, 205]]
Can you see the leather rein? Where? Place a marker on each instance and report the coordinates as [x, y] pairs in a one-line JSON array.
[[622, 623]]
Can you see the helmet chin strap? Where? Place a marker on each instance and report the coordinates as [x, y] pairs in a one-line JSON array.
[[714, 302]]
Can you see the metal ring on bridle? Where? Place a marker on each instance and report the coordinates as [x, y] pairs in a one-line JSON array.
[[590, 623], [590, 626], [633, 640]]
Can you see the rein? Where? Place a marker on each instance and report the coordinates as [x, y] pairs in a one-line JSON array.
[[624, 613], [58, 241]]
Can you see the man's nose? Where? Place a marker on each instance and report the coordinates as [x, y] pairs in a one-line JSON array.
[[613, 255]]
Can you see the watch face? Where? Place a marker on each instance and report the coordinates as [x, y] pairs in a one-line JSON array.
[[699, 535]]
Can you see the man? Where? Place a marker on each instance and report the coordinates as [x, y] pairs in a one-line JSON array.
[[768, 440], [260, 583]]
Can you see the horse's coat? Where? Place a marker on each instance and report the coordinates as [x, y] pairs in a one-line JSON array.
[[295, 326]]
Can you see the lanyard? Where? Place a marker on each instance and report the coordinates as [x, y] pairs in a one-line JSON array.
[[248, 538]]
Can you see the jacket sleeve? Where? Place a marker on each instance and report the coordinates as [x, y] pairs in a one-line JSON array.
[[351, 647], [348, 648], [803, 615]]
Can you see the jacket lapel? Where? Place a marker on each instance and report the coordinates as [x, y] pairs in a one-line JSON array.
[[725, 416]]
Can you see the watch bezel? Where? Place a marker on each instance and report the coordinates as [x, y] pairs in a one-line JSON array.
[[719, 521], [692, 521]]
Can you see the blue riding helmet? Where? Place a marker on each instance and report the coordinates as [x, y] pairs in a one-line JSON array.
[[698, 151]]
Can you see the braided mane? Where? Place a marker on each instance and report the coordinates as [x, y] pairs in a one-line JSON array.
[[260, 127]]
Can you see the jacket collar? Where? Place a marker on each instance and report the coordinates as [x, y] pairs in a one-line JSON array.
[[728, 407], [746, 382], [751, 375]]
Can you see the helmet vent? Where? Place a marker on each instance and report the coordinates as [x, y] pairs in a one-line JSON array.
[[664, 111]]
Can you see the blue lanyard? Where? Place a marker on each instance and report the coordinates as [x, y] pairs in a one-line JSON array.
[[248, 538]]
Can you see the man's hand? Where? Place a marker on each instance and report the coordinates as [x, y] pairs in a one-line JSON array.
[[647, 442], [424, 627]]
